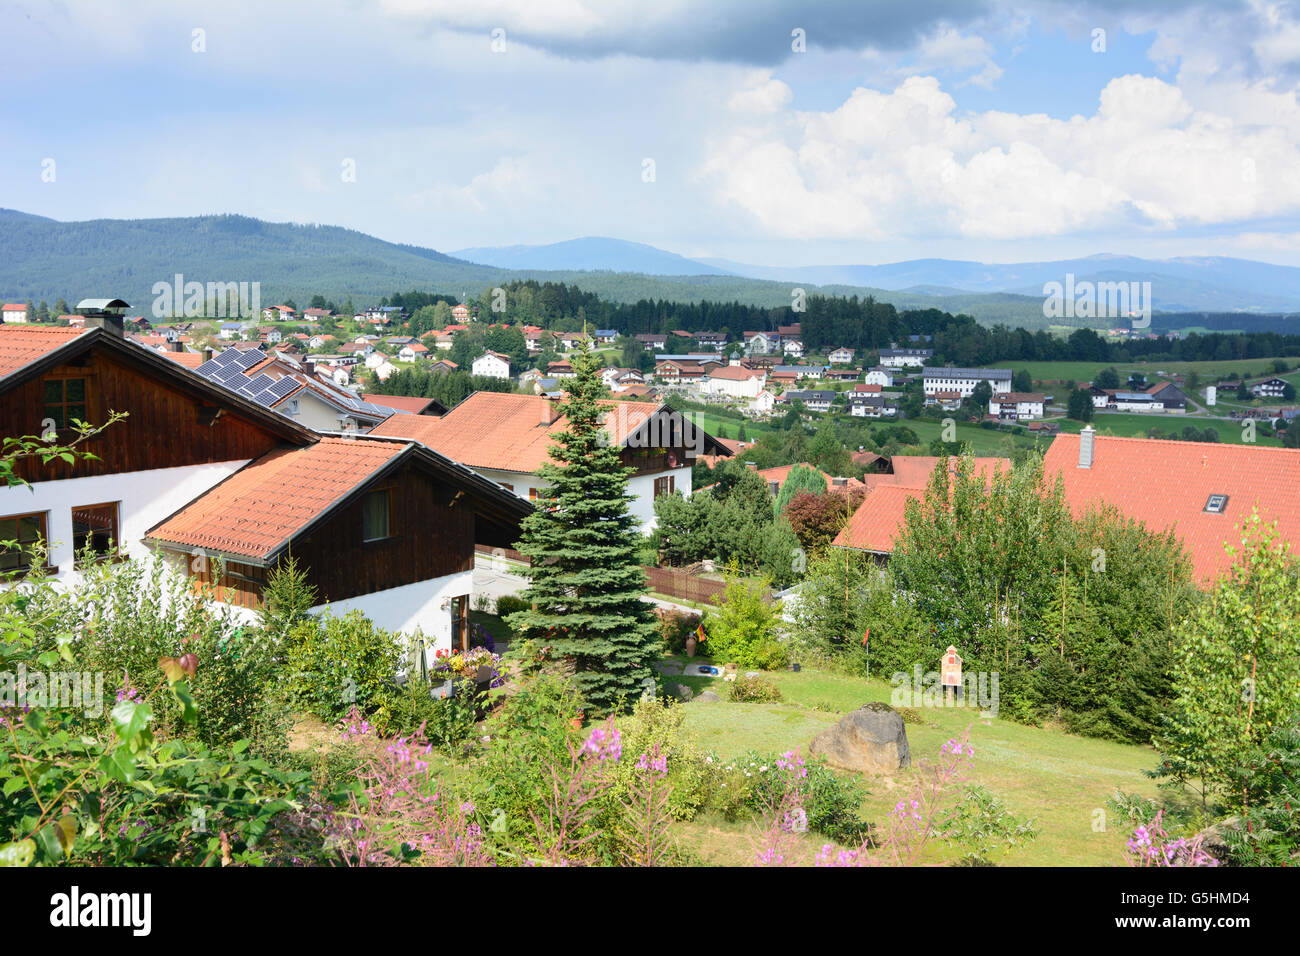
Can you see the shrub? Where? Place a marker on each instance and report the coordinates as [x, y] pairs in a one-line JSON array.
[[655, 726], [336, 662], [755, 784], [743, 621], [754, 690], [511, 604], [771, 656], [447, 722]]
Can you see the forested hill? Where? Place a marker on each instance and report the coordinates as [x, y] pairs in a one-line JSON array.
[[42, 258]]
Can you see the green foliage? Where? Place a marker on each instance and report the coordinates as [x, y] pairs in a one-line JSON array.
[[1267, 832], [800, 478], [1237, 673], [754, 690], [743, 621], [984, 829], [674, 628], [585, 579], [510, 604], [831, 801], [333, 663], [288, 598], [1079, 406]]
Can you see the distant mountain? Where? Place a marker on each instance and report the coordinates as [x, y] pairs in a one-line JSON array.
[[1212, 283], [591, 253], [44, 259]]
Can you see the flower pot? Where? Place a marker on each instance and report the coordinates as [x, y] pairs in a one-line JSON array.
[[690, 647]]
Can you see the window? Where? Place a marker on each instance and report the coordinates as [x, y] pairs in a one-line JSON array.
[[664, 486], [19, 533], [375, 515], [532, 494], [460, 622], [65, 400], [1216, 504], [507, 486], [95, 527]]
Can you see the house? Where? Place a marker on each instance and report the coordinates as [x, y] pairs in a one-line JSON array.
[[412, 353], [789, 331], [947, 379], [815, 400], [1017, 406], [1269, 388], [1101, 397], [1170, 396], [360, 349], [492, 365], [730, 382], [949, 401], [559, 370], [1204, 494], [762, 404], [792, 348], [14, 313], [840, 356], [409, 404], [604, 336], [237, 486], [863, 388], [716, 341], [570, 340], [761, 343], [879, 376], [507, 437], [1136, 402], [905, 358], [461, 313], [317, 315], [871, 405], [443, 365], [229, 330], [675, 372], [282, 313], [799, 371], [320, 341], [535, 338], [652, 342]]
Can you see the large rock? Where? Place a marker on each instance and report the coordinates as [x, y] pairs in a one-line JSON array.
[[872, 739]]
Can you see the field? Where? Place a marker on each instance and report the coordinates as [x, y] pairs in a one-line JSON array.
[[984, 442], [1086, 371], [1135, 425]]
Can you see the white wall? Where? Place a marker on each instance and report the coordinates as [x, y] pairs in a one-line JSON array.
[[146, 498], [425, 604], [642, 489]]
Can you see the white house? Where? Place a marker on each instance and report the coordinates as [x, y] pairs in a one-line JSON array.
[[1137, 402], [841, 356], [734, 382], [14, 313], [963, 380], [905, 358], [492, 365], [792, 348], [1017, 406], [763, 403], [879, 376], [413, 352]]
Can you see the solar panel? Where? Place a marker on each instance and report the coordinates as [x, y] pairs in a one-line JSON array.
[[209, 368], [230, 375], [247, 359], [286, 386], [226, 357], [259, 382]]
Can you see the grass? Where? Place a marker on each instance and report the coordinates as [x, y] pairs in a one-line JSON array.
[[1086, 371], [984, 442], [1059, 781], [1126, 425]]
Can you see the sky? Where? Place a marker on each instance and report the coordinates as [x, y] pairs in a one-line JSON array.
[[773, 132]]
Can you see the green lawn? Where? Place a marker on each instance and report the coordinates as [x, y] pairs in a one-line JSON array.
[[1058, 780], [1086, 371], [1126, 425], [984, 442]]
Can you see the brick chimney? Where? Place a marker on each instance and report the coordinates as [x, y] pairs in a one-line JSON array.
[[1087, 442], [550, 412]]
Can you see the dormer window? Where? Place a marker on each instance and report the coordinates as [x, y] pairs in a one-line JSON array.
[[65, 401], [1216, 504]]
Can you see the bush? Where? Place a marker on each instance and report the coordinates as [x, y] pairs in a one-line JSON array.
[[754, 690], [658, 722], [753, 784], [511, 604], [334, 663], [743, 621], [771, 656], [447, 722]]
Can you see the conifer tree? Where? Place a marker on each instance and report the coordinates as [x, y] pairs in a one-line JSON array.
[[585, 580]]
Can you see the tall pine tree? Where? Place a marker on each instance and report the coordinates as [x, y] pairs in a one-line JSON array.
[[585, 580]]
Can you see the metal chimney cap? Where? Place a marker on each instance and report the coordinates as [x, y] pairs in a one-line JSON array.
[[101, 305]]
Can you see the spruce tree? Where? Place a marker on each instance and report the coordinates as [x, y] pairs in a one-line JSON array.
[[585, 580]]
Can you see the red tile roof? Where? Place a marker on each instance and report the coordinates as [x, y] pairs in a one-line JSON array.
[[503, 431], [1166, 484], [20, 345], [188, 359], [401, 403], [264, 504]]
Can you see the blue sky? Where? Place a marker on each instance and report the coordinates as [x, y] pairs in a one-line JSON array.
[[972, 129]]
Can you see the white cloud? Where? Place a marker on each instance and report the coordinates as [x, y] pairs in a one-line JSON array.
[[764, 95], [905, 163]]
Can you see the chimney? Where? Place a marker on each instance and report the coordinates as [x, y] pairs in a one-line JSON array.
[[549, 413], [207, 354], [1087, 438], [104, 314], [175, 346], [111, 324], [752, 465], [839, 482], [309, 368]]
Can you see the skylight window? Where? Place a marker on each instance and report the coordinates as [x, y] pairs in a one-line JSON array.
[[1216, 504]]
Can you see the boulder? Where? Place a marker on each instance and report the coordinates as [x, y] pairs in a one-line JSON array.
[[871, 739], [706, 696], [682, 692]]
